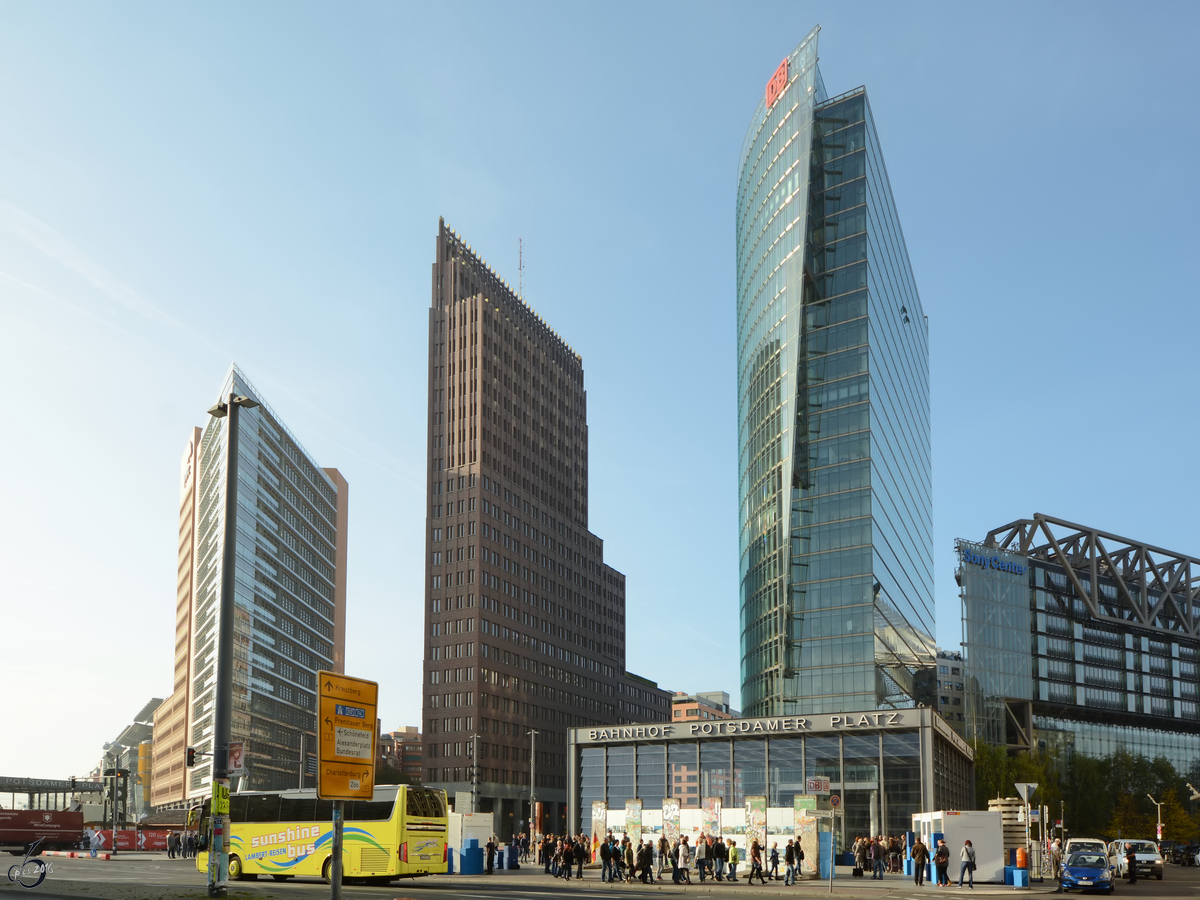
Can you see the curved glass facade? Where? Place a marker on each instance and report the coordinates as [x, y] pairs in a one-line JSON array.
[[833, 411]]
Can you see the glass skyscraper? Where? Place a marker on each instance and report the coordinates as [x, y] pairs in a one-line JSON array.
[[289, 601], [834, 465]]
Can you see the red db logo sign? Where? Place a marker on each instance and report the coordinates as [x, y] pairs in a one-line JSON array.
[[777, 83]]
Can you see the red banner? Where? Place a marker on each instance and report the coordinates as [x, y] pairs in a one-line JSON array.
[[142, 839]]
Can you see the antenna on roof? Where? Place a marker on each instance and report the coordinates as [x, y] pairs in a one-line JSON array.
[[520, 268]]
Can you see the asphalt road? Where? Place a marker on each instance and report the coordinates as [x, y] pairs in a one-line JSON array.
[[150, 876]]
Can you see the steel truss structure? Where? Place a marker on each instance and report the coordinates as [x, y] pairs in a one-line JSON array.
[[1128, 582]]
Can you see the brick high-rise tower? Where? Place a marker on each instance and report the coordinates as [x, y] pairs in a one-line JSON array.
[[525, 624]]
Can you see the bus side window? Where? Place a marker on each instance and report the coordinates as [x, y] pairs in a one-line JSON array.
[[263, 808], [297, 809], [368, 810]]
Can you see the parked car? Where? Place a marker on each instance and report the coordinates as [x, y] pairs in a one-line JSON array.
[[1184, 854], [1149, 860], [1088, 870]]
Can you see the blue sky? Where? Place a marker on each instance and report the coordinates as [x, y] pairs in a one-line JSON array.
[[182, 185]]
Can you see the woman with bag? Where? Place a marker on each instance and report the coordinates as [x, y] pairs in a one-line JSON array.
[[967, 856]]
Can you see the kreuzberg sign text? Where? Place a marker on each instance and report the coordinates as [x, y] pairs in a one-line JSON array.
[[731, 727]]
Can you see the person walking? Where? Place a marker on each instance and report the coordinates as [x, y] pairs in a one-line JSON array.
[[491, 853], [685, 861], [1130, 864], [774, 860], [581, 855], [861, 854], [733, 860], [605, 861], [720, 857], [664, 856], [941, 861], [756, 864], [879, 858], [920, 858], [1056, 864], [789, 863], [701, 856], [96, 841], [966, 867], [172, 841]]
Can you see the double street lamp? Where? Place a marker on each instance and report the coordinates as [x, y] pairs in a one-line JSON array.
[[1160, 806], [218, 858]]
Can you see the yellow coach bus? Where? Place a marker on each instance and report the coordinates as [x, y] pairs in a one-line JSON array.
[[400, 831]]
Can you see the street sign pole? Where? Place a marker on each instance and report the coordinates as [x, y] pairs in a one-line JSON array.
[[346, 752], [335, 870], [835, 801]]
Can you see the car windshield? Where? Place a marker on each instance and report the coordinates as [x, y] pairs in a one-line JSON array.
[[1143, 847], [1087, 859], [1081, 846]]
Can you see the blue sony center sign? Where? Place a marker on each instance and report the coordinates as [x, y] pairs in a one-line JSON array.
[[992, 562]]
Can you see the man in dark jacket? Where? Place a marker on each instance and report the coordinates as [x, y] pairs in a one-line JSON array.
[[605, 861], [920, 858]]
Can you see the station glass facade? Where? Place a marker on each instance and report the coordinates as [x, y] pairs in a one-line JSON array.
[[885, 766], [835, 472]]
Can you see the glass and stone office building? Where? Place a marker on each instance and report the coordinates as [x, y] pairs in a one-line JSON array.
[[885, 764], [289, 603], [1079, 640], [524, 616], [837, 606]]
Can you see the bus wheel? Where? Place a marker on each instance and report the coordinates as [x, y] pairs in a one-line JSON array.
[[327, 871], [235, 868]]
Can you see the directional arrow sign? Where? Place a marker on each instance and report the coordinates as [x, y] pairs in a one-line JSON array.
[[346, 749], [1026, 789]]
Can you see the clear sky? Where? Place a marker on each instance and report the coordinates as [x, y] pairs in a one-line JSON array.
[[183, 185]]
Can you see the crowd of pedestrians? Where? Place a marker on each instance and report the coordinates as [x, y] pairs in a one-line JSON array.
[[653, 860]]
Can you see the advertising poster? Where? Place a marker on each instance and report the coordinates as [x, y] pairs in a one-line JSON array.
[[599, 826], [633, 820], [756, 821], [670, 817], [710, 816]]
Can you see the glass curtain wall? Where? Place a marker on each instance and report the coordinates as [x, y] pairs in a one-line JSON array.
[[771, 208], [834, 430], [786, 775], [860, 797], [684, 770], [651, 774], [749, 770], [715, 763], [283, 625], [997, 637]]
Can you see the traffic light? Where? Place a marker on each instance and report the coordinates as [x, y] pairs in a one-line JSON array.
[[72, 782], [191, 756]]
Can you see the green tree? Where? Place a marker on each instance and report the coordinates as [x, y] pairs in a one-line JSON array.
[[1128, 820]]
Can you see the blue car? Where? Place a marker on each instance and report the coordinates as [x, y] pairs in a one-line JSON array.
[[1087, 871]]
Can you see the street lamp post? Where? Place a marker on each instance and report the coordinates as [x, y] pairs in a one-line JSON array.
[[1160, 806], [532, 781], [218, 866]]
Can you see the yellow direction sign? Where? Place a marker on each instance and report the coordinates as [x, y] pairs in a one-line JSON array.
[[346, 730]]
